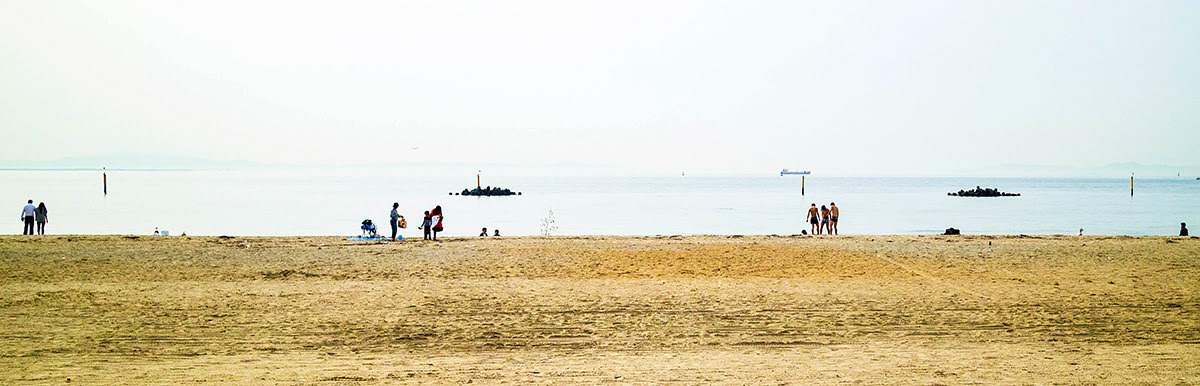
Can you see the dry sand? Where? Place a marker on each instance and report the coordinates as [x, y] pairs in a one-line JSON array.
[[875, 309]]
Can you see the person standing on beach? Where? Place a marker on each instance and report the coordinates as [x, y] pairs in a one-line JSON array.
[[833, 214], [27, 216], [437, 227], [813, 220], [426, 225], [41, 218], [395, 219], [824, 219], [1183, 229]]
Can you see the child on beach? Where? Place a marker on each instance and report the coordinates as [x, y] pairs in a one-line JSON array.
[[426, 224]]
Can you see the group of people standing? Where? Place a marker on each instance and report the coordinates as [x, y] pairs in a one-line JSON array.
[[428, 225], [823, 220], [34, 214]]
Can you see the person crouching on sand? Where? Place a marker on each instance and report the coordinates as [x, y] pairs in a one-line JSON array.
[[1183, 229], [833, 214], [813, 220], [426, 224]]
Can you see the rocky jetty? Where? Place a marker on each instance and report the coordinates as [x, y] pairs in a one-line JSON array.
[[488, 191], [982, 192]]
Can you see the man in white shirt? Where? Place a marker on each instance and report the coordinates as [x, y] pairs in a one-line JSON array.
[[27, 215]]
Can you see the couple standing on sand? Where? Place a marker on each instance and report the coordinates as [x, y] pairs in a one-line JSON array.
[[826, 222], [34, 214]]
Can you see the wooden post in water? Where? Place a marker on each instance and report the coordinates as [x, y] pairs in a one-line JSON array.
[[477, 183], [105, 174], [1130, 184], [801, 185]]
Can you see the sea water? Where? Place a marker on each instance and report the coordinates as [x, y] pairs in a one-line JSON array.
[[335, 201]]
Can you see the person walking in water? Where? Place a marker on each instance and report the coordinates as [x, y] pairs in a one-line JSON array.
[[27, 216], [395, 219], [1183, 229], [40, 217], [813, 220], [833, 214], [824, 219], [437, 227], [426, 225]]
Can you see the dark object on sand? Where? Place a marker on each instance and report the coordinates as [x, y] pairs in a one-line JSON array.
[[952, 231], [982, 192], [488, 191]]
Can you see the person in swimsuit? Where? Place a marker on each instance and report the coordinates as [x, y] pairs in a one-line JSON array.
[[833, 214], [824, 219], [813, 220]]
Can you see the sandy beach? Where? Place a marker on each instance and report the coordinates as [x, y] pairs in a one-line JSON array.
[[691, 309]]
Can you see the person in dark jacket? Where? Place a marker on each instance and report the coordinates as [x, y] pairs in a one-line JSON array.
[[1183, 229], [40, 215]]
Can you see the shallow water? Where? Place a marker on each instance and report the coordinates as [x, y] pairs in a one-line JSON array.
[[323, 202]]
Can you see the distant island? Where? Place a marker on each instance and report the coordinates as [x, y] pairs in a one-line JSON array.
[[488, 191], [982, 192]]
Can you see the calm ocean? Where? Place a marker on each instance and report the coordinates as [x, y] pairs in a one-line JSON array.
[[334, 202]]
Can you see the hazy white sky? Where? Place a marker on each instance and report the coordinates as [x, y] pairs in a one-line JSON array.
[[653, 86]]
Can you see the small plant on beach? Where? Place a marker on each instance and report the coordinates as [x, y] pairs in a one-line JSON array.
[[548, 227]]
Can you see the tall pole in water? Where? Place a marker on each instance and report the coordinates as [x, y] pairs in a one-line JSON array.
[[477, 183], [105, 174], [1131, 184], [801, 185]]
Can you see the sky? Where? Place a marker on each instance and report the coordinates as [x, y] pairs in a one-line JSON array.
[[644, 87]]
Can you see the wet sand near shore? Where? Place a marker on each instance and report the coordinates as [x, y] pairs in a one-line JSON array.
[[691, 309]]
